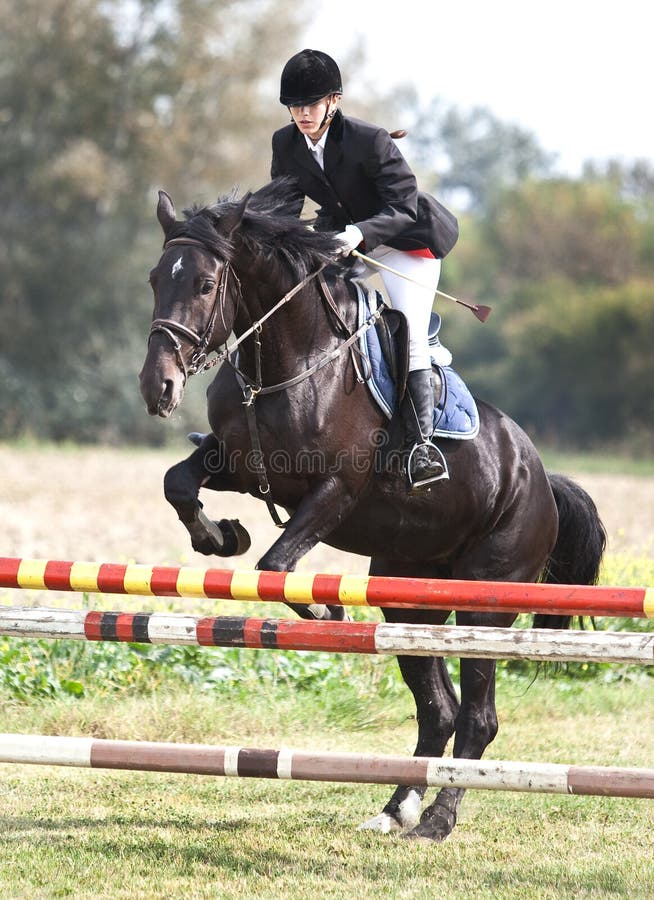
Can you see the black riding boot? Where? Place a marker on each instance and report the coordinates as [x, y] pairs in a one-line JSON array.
[[425, 465]]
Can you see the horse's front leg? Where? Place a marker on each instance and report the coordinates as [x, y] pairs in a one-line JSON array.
[[319, 512], [182, 485]]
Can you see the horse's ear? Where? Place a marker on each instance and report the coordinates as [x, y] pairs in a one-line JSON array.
[[232, 219], [165, 212]]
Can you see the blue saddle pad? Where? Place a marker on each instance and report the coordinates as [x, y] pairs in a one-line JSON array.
[[456, 415]]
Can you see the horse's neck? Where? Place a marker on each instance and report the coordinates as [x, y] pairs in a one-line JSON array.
[[297, 331]]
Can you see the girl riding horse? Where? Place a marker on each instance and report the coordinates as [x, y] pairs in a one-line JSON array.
[[368, 194]]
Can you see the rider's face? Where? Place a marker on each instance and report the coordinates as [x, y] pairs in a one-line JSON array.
[[309, 117]]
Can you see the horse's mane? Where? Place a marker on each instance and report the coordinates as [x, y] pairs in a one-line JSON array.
[[269, 230]]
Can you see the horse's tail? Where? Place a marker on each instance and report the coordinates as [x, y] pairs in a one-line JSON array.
[[580, 543]]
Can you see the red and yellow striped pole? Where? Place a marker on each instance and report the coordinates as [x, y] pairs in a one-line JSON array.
[[346, 590]]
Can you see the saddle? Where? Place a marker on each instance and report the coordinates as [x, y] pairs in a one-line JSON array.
[[392, 332], [384, 350]]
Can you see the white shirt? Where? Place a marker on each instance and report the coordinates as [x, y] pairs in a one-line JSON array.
[[318, 150]]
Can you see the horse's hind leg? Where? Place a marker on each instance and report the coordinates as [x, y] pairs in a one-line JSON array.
[[182, 485], [436, 707], [516, 550], [476, 727]]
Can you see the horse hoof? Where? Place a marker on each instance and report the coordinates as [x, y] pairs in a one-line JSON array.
[[318, 612], [224, 538], [407, 815], [420, 839], [238, 536], [435, 825], [383, 823], [409, 810], [338, 614]]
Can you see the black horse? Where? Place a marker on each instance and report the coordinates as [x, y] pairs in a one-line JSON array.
[[312, 444]]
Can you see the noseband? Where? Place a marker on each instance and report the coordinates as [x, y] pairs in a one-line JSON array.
[[171, 328]]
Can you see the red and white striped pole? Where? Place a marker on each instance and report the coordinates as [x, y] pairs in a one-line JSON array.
[[395, 639]]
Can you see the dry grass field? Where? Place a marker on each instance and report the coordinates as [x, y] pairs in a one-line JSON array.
[[103, 504]]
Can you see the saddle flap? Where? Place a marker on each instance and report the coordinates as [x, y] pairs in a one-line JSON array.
[[393, 333]]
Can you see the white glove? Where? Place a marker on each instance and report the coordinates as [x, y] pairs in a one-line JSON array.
[[349, 239]]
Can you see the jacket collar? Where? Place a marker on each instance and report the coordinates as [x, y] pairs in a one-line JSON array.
[[334, 145]]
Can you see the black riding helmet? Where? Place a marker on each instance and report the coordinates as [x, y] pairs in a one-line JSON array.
[[308, 77]]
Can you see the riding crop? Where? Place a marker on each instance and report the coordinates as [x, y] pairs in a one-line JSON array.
[[480, 312]]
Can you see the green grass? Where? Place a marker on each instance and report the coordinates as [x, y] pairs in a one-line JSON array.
[[596, 463], [92, 835], [87, 833]]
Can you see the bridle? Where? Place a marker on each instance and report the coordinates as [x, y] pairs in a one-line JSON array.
[[171, 328]]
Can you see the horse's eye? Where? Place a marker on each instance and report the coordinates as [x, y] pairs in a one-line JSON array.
[[207, 286]]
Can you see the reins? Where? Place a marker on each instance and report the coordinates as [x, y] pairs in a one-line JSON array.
[[256, 389]]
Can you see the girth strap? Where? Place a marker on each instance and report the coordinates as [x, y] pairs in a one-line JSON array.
[[257, 455], [342, 327]]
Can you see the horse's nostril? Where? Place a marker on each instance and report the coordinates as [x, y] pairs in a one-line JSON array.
[[167, 389]]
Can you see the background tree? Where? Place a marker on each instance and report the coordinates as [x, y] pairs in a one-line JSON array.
[[566, 350], [467, 155], [100, 104]]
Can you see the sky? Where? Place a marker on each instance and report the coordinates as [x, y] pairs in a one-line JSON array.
[[578, 74]]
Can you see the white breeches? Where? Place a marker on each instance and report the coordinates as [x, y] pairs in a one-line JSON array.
[[411, 299]]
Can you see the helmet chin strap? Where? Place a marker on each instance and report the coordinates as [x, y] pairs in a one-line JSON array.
[[327, 117]]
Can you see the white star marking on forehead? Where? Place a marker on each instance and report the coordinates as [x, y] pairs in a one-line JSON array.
[[177, 267]]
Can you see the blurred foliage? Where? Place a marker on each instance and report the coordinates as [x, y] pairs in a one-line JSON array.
[[467, 157], [101, 103], [567, 268]]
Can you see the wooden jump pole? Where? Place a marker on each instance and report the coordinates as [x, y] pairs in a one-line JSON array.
[[346, 590], [334, 637], [204, 759]]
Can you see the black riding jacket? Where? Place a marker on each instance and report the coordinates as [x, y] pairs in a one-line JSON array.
[[366, 182]]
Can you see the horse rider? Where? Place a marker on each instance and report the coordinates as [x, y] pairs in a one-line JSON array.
[[367, 192]]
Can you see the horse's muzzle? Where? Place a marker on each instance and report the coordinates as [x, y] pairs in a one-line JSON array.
[[162, 392]]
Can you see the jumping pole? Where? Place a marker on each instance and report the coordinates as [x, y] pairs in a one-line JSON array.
[[345, 590], [204, 759], [395, 639]]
